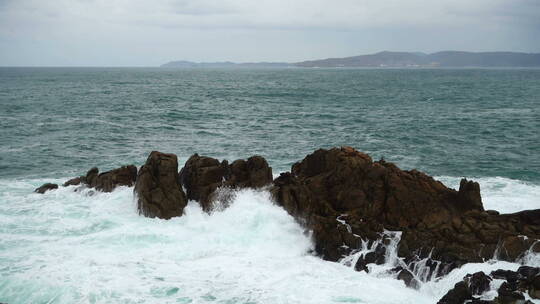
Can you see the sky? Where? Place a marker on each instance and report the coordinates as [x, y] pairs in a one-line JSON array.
[[150, 33]]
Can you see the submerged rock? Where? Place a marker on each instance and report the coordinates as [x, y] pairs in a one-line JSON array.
[[201, 176], [158, 190], [46, 187], [370, 197]]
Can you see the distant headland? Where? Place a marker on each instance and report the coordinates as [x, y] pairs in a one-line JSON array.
[[390, 59]]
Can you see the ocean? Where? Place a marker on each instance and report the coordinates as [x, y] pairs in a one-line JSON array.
[[72, 247]]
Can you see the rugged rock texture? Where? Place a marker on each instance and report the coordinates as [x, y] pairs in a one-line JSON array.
[[46, 187], [106, 181], [158, 190], [202, 176], [450, 227], [517, 283], [74, 181], [123, 176], [407, 277], [457, 295]]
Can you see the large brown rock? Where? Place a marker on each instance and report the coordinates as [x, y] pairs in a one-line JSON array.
[[201, 176], [158, 190], [371, 197]]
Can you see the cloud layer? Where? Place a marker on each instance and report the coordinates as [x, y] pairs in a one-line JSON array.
[[122, 32]]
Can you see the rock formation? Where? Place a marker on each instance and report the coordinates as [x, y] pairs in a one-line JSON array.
[[106, 181], [350, 203], [46, 187], [526, 280], [158, 190], [202, 176], [344, 197]]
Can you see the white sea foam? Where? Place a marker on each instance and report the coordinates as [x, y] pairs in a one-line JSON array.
[[73, 247]]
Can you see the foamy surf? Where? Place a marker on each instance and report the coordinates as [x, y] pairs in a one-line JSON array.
[[91, 247]]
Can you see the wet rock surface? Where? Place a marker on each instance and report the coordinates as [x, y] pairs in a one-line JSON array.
[[344, 197], [517, 284], [106, 181], [202, 176], [407, 277], [158, 190], [46, 187]]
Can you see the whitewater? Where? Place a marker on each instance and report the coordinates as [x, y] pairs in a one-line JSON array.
[[92, 247]]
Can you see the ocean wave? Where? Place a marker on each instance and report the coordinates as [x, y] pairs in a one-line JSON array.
[[91, 247]]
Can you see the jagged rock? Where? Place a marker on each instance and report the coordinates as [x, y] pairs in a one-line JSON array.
[[469, 192], [457, 295], [525, 280], [123, 176], [74, 181], [106, 181], [202, 175], [508, 295], [373, 196], [534, 287], [409, 279], [158, 190], [507, 275], [528, 271], [46, 187], [465, 290], [91, 177], [374, 257], [478, 282], [253, 173]]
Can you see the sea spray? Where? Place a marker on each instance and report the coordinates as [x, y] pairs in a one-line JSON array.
[[74, 247], [92, 247]]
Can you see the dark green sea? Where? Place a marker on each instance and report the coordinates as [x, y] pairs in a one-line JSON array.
[[67, 247], [474, 122]]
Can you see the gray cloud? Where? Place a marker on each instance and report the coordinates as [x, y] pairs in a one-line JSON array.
[[120, 32]]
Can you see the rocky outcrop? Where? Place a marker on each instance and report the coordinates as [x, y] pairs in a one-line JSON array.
[[74, 181], [46, 187], [369, 197], [526, 280], [106, 181], [158, 190], [202, 176]]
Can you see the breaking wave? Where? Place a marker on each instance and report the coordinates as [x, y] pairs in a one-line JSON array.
[[91, 247]]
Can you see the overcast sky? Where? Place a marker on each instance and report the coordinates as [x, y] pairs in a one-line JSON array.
[[149, 33]]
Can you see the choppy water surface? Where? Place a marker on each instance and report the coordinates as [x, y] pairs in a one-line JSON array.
[[67, 247]]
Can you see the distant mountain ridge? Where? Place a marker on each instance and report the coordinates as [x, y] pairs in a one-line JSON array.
[[439, 59], [390, 59], [224, 64]]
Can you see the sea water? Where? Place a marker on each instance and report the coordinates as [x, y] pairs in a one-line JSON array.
[[79, 247]]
